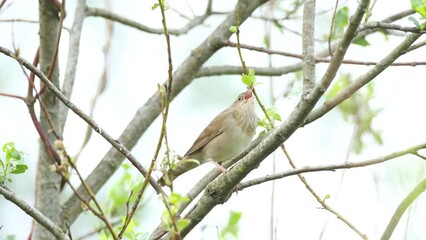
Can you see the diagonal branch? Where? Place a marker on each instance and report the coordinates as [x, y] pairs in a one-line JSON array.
[[220, 190], [73, 53], [413, 195], [148, 112], [363, 79], [115, 143], [34, 213], [331, 167], [196, 21]]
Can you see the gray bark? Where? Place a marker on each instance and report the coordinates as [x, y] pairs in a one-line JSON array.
[[47, 182]]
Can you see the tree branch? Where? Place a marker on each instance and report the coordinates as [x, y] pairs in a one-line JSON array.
[[34, 213], [330, 167], [48, 183], [389, 26], [72, 61], [308, 46], [220, 190], [413, 195], [363, 79], [97, 12], [148, 112]]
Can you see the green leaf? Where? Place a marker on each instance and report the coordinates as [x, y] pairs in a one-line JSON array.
[[176, 198], [11, 237], [182, 224], [377, 136], [362, 42], [341, 20], [278, 25], [233, 29], [191, 160], [232, 226], [234, 218], [419, 6], [156, 5], [249, 79], [125, 166], [8, 146], [15, 154], [266, 41], [19, 168], [326, 197], [272, 112]]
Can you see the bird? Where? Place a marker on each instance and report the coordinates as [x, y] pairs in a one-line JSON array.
[[225, 136]]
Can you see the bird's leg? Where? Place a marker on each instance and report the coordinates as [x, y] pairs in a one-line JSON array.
[[221, 168]]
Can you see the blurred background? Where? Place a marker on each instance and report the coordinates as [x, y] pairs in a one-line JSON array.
[[137, 62]]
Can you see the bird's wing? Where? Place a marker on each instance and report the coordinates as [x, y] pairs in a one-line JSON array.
[[208, 134]]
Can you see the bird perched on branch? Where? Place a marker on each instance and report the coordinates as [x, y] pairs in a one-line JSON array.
[[226, 136]]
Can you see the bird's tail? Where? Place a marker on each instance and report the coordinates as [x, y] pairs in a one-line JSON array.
[[182, 166]]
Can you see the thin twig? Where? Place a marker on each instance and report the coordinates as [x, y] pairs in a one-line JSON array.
[[95, 201], [165, 112], [320, 200], [317, 59], [413, 195], [122, 149], [330, 34], [196, 21], [363, 79], [101, 84], [34, 213], [332, 167], [389, 26]]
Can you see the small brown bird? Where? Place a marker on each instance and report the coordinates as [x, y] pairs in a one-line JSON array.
[[226, 136]]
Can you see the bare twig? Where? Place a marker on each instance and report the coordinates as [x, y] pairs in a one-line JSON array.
[[100, 212], [220, 190], [322, 202], [330, 34], [362, 80], [101, 84], [332, 167], [84, 116], [34, 213], [308, 68], [72, 60], [317, 59], [389, 26], [165, 112], [196, 21]]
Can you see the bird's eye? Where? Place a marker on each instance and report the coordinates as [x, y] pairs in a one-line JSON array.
[[240, 98]]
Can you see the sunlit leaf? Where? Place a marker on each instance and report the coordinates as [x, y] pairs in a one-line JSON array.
[[362, 42], [233, 29], [182, 223], [19, 168], [419, 6]]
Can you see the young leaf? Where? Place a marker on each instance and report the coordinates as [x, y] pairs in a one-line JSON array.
[[19, 168], [249, 79], [419, 6], [233, 29], [182, 224], [156, 5], [341, 20], [362, 42], [327, 196], [232, 226]]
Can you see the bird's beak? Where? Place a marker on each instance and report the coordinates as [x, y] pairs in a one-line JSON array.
[[249, 94]]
